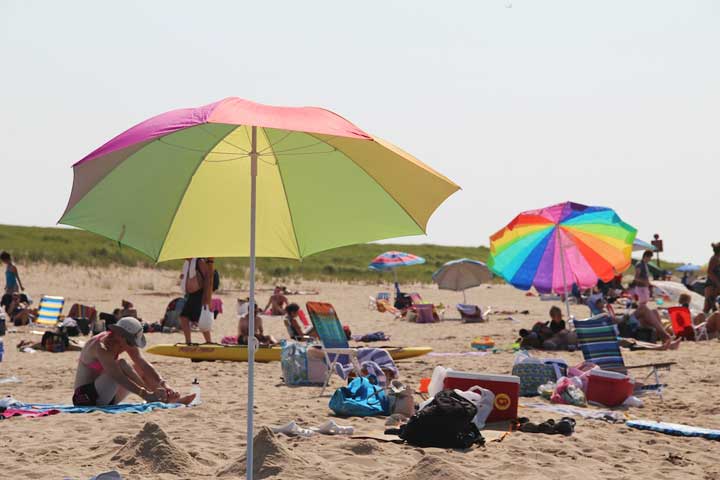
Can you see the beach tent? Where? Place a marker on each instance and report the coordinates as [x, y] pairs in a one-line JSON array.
[[240, 179]]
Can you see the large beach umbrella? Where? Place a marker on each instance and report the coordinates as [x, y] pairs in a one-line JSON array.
[[459, 275], [393, 259], [555, 247], [240, 179]]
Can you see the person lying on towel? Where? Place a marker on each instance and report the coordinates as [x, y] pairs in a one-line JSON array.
[[103, 378]]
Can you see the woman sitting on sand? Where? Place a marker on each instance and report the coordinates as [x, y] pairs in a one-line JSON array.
[[244, 325], [103, 378]]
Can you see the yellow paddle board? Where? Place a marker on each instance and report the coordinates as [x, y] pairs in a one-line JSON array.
[[239, 353]]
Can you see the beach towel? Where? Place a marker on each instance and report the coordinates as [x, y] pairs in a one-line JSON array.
[[189, 270], [676, 429], [120, 408], [570, 410], [21, 412], [373, 361]]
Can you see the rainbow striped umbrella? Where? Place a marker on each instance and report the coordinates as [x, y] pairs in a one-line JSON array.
[[239, 179], [392, 259], [555, 247]]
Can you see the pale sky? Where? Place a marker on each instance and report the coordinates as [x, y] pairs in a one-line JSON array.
[[524, 103]]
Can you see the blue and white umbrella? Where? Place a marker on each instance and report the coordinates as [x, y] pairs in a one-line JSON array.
[[688, 267], [462, 274]]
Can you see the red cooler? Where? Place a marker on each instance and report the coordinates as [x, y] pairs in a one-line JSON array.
[[505, 387], [608, 388]]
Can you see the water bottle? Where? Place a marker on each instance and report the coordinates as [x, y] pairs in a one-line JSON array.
[[196, 390]]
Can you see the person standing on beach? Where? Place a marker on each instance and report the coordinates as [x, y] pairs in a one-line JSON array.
[[712, 285], [196, 283], [642, 278], [12, 278]]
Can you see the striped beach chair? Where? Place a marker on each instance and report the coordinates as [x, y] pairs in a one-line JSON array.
[[598, 341], [49, 310]]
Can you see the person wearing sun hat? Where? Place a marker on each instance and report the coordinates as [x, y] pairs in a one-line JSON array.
[[103, 378]]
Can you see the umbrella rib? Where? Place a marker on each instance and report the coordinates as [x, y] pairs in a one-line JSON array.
[[380, 185]]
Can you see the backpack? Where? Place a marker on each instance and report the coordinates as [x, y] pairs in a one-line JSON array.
[[216, 278], [445, 422]]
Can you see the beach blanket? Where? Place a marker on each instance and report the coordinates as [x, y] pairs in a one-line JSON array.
[[120, 408], [675, 429], [570, 410], [373, 360]]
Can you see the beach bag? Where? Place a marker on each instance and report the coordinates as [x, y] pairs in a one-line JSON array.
[[446, 421], [299, 368], [361, 398], [401, 399], [534, 372], [216, 278]]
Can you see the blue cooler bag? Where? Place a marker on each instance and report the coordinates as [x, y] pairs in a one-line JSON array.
[[361, 398]]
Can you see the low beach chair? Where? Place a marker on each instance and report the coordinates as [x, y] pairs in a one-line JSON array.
[[470, 313], [49, 310], [598, 341], [682, 324], [334, 342], [425, 312]]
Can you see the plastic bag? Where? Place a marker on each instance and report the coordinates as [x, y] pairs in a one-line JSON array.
[[569, 391], [205, 322], [484, 401], [546, 390], [437, 380]]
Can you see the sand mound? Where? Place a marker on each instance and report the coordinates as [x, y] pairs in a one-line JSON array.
[[270, 458], [364, 447], [151, 448], [431, 467]]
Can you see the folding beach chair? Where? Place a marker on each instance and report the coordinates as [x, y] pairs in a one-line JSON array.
[[332, 338], [470, 313], [682, 324], [49, 310], [599, 344]]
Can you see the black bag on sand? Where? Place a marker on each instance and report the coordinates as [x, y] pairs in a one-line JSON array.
[[446, 422]]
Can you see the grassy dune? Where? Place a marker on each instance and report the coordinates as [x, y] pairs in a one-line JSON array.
[[77, 247]]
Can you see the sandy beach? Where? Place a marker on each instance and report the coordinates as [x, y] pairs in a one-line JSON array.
[[208, 440]]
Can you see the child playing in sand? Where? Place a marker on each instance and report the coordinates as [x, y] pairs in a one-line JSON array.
[[277, 303], [12, 277], [103, 378]]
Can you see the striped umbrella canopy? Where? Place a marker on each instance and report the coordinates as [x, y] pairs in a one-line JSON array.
[[555, 247], [459, 275], [239, 179], [392, 259]]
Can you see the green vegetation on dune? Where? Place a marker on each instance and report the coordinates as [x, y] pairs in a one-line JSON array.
[[70, 246]]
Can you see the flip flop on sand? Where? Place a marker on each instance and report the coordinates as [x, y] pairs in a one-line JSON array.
[[332, 428]]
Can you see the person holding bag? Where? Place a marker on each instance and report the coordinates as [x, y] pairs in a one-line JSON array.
[[197, 285]]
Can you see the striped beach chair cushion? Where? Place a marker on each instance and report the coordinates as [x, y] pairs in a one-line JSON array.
[[49, 310], [599, 343]]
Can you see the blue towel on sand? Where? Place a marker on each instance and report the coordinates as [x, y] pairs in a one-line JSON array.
[[675, 429], [120, 408]]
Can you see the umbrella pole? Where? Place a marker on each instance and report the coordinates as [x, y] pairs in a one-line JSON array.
[[251, 326], [464, 299], [397, 287], [562, 264]]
